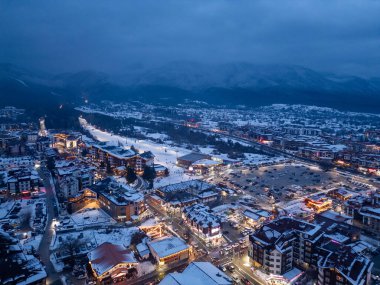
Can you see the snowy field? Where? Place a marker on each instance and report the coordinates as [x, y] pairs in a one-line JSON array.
[[121, 236], [86, 217], [164, 155], [257, 159], [5, 208]]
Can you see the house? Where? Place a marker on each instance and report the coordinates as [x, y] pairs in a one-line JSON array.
[[287, 244], [17, 266], [203, 166], [143, 250], [185, 193], [66, 141], [110, 263], [339, 264], [116, 156], [203, 223], [255, 218], [169, 249], [22, 181], [187, 160], [277, 246], [121, 202], [199, 273], [318, 203], [340, 194]]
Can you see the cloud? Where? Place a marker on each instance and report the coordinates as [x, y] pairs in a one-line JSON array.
[[111, 36]]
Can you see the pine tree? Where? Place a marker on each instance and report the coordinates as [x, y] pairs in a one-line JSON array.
[[131, 175]]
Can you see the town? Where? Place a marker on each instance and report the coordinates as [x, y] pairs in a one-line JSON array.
[[144, 194]]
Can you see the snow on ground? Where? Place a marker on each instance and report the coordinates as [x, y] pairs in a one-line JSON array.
[[93, 216], [156, 136], [256, 159], [164, 155], [5, 208], [32, 241], [297, 208], [121, 236], [144, 268]]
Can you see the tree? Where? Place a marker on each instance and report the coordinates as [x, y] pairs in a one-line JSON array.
[[71, 245], [137, 238], [131, 175], [149, 173], [50, 163], [84, 152], [108, 167]]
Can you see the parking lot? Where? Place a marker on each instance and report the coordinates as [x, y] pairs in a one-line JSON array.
[[265, 186]]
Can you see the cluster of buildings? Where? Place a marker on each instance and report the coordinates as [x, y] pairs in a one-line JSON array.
[[174, 197], [17, 264], [116, 156], [364, 210], [199, 163], [204, 223], [359, 151], [329, 247], [120, 201]]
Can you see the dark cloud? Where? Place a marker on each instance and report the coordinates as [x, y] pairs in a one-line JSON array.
[[111, 36]]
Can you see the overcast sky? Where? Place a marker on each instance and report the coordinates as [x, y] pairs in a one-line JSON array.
[[111, 36]]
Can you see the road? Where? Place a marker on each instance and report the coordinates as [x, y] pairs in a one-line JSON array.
[[273, 151], [52, 276], [234, 256]]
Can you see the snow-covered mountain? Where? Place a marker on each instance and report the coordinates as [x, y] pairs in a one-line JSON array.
[[196, 76], [228, 84]]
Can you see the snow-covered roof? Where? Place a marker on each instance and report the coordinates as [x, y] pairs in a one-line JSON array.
[[107, 255], [195, 184], [200, 273], [167, 245]]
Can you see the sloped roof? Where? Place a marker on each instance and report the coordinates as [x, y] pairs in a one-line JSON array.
[[108, 255], [200, 273]]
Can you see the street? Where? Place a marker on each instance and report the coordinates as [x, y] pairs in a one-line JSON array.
[[52, 276]]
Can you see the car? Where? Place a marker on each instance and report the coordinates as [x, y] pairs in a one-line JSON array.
[[223, 268], [231, 267], [245, 281], [235, 278]]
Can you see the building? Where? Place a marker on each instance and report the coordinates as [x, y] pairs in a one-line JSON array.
[[169, 249], [72, 178], [326, 246], [116, 156], [7, 139], [182, 194], [187, 160], [205, 165], [121, 202], [199, 273], [365, 210], [318, 203], [255, 218], [339, 264], [300, 130], [68, 186], [64, 141], [111, 263], [340, 194], [203, 223], [16, 162], [22, 181], [276, 247], [17, 266]]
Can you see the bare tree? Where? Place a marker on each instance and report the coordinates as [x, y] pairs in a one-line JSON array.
[[71, 246]]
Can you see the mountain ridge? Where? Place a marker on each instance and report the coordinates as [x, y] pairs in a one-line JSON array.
[[228, 84]]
